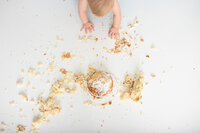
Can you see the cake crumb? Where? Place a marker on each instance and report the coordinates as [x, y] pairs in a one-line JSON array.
[[2, 130], [121, 46], [147, 56], [63, 71], [28, 84], [89, 102], [22, 72], [37, 74], [40, 64], [65, 55], [51, 67], [141, 39], [31, 71], [59, 39], [21, 128], [3, 125], [130, 26], [95, 39], [71, 107], [12, 103], [19, 83], [153, 47], [32, 101], [140, 112], [84, 38], [23, 97]]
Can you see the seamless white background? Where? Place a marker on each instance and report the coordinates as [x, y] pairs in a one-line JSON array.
[[171, 102]]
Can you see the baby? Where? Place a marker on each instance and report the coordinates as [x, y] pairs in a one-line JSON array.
[[100, 8]]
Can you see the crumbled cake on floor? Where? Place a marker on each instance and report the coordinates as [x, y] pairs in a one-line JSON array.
[[133, 87], [20, 128]]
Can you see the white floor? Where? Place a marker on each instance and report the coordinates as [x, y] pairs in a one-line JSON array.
[[171, 102]]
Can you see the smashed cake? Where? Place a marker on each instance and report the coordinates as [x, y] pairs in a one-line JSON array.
[[100, 84]]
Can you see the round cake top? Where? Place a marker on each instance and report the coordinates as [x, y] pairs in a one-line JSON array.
[[100, 84]]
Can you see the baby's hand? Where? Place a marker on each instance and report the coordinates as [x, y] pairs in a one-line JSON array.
[[88, 27], [114, 33]]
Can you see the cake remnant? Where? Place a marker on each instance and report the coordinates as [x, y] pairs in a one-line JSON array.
[[89, 102], [40, 64], [65, 55], [23, 97], [2, 130], [12, 103], [153, 75], [22, 72], [100, 84], [95, 39], [20, 128], [50, 106], [28, 84], [31, 72], [3, 125], [141, 39], [121, 46], [37, 74], [133, 87], [59, 39], [19, 83], [51, 67]]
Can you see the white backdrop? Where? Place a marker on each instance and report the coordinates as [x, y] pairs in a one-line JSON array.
[[171, 102]]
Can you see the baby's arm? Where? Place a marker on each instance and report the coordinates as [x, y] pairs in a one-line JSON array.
[[114, 31], [87, 26]]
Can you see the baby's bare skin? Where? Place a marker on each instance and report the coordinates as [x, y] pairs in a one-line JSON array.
[[89, 27]]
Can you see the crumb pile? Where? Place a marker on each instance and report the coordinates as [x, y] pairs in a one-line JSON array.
[[121, 45], [128, 40], [98, 83], [50, 106], [133, 87]]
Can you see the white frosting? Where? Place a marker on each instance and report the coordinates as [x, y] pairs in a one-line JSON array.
[[101, 83]]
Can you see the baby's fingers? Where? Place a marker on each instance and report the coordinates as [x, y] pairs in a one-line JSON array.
[[109, 34], [92, 27], [117, 36], [82, 28], [112, 35], [86, 30]]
